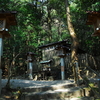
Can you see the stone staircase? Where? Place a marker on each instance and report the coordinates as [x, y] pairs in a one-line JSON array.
[[48, 90], [68, 91]]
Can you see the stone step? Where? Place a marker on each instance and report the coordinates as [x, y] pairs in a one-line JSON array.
[[54, 94], [80, 98], [46, 88]]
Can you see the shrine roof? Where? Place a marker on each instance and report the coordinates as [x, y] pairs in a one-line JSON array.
[[7, 12], [31, 53], [62, 44], [55, 43], [46, 61], [93, 12]]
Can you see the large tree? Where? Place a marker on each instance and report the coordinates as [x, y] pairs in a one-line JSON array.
[[75, 43]]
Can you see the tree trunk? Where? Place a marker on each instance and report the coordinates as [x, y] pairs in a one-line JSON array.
[[75, 43], [49, 22]]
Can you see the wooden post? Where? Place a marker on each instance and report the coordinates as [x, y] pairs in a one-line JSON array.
[[77, 73]]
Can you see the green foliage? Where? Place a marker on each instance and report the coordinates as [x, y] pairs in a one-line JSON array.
[[24, 35], [45, 22], [96, 6], [84, 32]]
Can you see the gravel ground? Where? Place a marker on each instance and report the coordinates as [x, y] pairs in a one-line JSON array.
[[15, 83]]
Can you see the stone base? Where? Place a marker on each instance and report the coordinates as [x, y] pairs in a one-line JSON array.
[[30, 77]]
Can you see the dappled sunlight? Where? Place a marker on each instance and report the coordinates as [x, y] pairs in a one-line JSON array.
[[45, 89], [63, 90], [30, 83]]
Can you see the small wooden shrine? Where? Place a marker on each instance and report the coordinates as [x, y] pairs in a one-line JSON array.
[[7, 19], [57, 55], [93, 18], [56, 48]]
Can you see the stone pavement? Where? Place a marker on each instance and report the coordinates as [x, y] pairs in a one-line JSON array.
[[47, 90], [15, 83]]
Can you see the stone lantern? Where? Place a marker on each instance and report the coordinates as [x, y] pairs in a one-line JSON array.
[[30, 58], [93, 18], [7, 19], [62, 50]]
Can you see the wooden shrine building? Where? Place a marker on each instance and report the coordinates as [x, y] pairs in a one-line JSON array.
[[56, 57]]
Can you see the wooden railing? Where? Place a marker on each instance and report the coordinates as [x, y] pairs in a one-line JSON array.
[[87, 80]]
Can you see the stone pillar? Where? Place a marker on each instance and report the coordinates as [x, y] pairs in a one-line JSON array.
[[30, 56], [1, 49], [0, 80], [30, 70], [62, 69]]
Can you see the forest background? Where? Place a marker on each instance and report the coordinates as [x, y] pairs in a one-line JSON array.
[[41, 22]]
